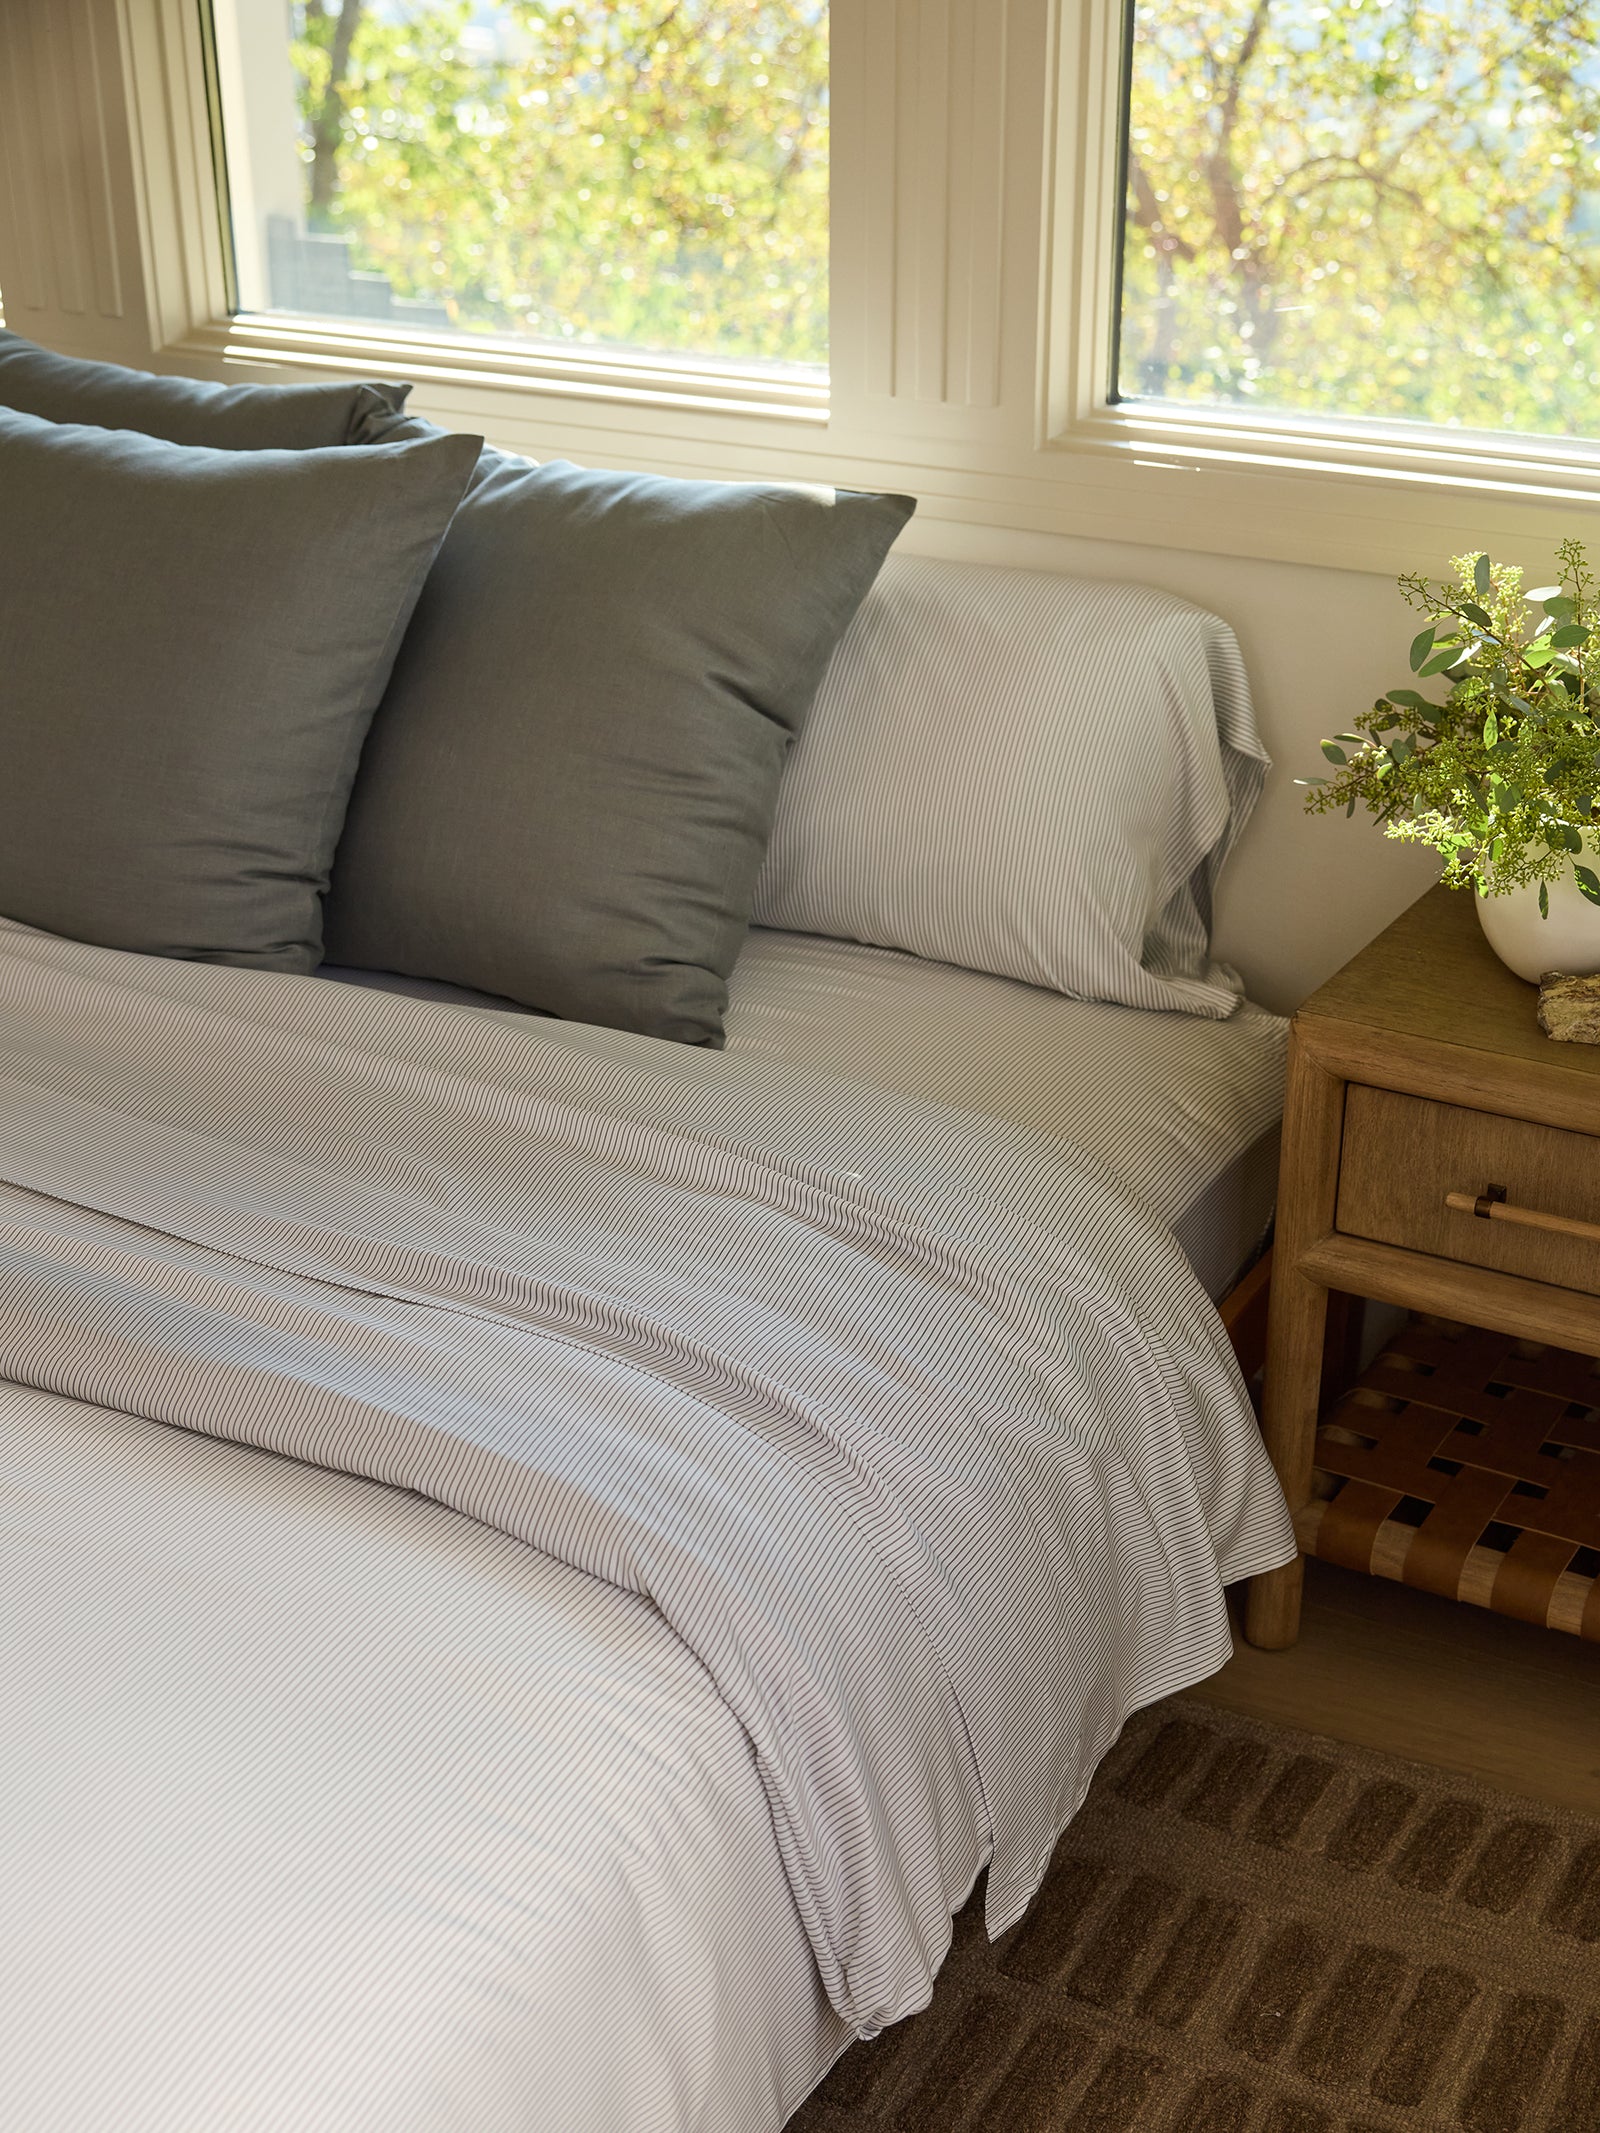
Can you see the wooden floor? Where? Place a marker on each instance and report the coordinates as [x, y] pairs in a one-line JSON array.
[[1445, 1684]]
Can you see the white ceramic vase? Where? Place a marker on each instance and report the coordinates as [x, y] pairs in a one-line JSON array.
[[1568, 940]]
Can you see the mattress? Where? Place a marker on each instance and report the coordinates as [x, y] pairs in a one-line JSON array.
[[1181, 1110]]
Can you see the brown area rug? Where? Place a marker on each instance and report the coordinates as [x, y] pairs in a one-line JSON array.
[[1249, 1930]]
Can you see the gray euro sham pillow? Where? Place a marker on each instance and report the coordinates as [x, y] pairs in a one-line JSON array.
[[192, 644], [569, 786], [234, 418]]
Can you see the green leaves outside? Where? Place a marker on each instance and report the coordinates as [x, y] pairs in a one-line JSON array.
[[644, 173], [1364, 210]]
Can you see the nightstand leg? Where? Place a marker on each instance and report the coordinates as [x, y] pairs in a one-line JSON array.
[[1272, 1607], [1297, 1324], [1291, 1398]]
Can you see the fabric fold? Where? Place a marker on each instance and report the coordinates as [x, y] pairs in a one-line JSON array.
[[936, 1494]]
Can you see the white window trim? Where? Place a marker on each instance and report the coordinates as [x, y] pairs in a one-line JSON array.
[[626, 379], [975, 182], [1084, 192]]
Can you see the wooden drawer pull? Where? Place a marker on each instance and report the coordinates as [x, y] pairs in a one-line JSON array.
[[1491, 1205]]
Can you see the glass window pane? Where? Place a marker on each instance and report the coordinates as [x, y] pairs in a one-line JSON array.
[[627, 173], [1366, 209]]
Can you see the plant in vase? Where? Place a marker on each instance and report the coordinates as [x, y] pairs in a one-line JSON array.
[[1502, 778]]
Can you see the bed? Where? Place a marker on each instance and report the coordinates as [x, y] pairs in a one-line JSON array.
[[547, 1554], [483, 1844]]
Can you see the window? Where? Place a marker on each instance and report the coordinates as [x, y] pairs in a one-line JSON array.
[[1375, 209], [624, 174]]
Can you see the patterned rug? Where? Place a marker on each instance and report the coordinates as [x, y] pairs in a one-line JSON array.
[[1249, 1930]]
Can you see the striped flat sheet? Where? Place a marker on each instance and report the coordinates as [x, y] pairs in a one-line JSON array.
[[914, 1430], [1182, 1109]]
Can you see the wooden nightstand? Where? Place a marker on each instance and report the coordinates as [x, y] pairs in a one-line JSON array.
[[1419, 1080]]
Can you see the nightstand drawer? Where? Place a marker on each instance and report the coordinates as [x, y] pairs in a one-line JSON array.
[[1402, 1157]]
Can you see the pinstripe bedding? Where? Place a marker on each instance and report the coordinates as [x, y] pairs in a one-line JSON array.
[[914, 1429], [478, 1848], [1183, 1110], [1023, 773]]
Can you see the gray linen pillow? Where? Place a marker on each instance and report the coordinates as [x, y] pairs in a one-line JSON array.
[[234, 418], [569, 787], [192, 644]]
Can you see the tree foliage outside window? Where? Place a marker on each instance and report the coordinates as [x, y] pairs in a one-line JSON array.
[[1373, 208], [646, 173]]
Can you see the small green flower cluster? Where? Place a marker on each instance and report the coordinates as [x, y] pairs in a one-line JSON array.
[[1503, 777]]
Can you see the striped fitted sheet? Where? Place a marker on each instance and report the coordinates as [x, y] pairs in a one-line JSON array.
[[1183, 1111], [914, 1430]]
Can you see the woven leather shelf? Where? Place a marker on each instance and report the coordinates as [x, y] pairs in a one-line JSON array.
[[1468, 1463]]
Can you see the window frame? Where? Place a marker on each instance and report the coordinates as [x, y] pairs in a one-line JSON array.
[[1092, 73], [972, 256]]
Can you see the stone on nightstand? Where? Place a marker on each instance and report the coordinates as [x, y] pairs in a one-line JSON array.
[[1569, 1008]]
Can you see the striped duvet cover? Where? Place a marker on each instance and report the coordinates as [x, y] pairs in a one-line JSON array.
[[909, 1429]]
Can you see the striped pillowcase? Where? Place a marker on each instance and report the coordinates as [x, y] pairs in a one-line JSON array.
[[1025, 774]]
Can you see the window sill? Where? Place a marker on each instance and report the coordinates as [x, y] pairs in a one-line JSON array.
[[1528, 469], [605, 377]]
